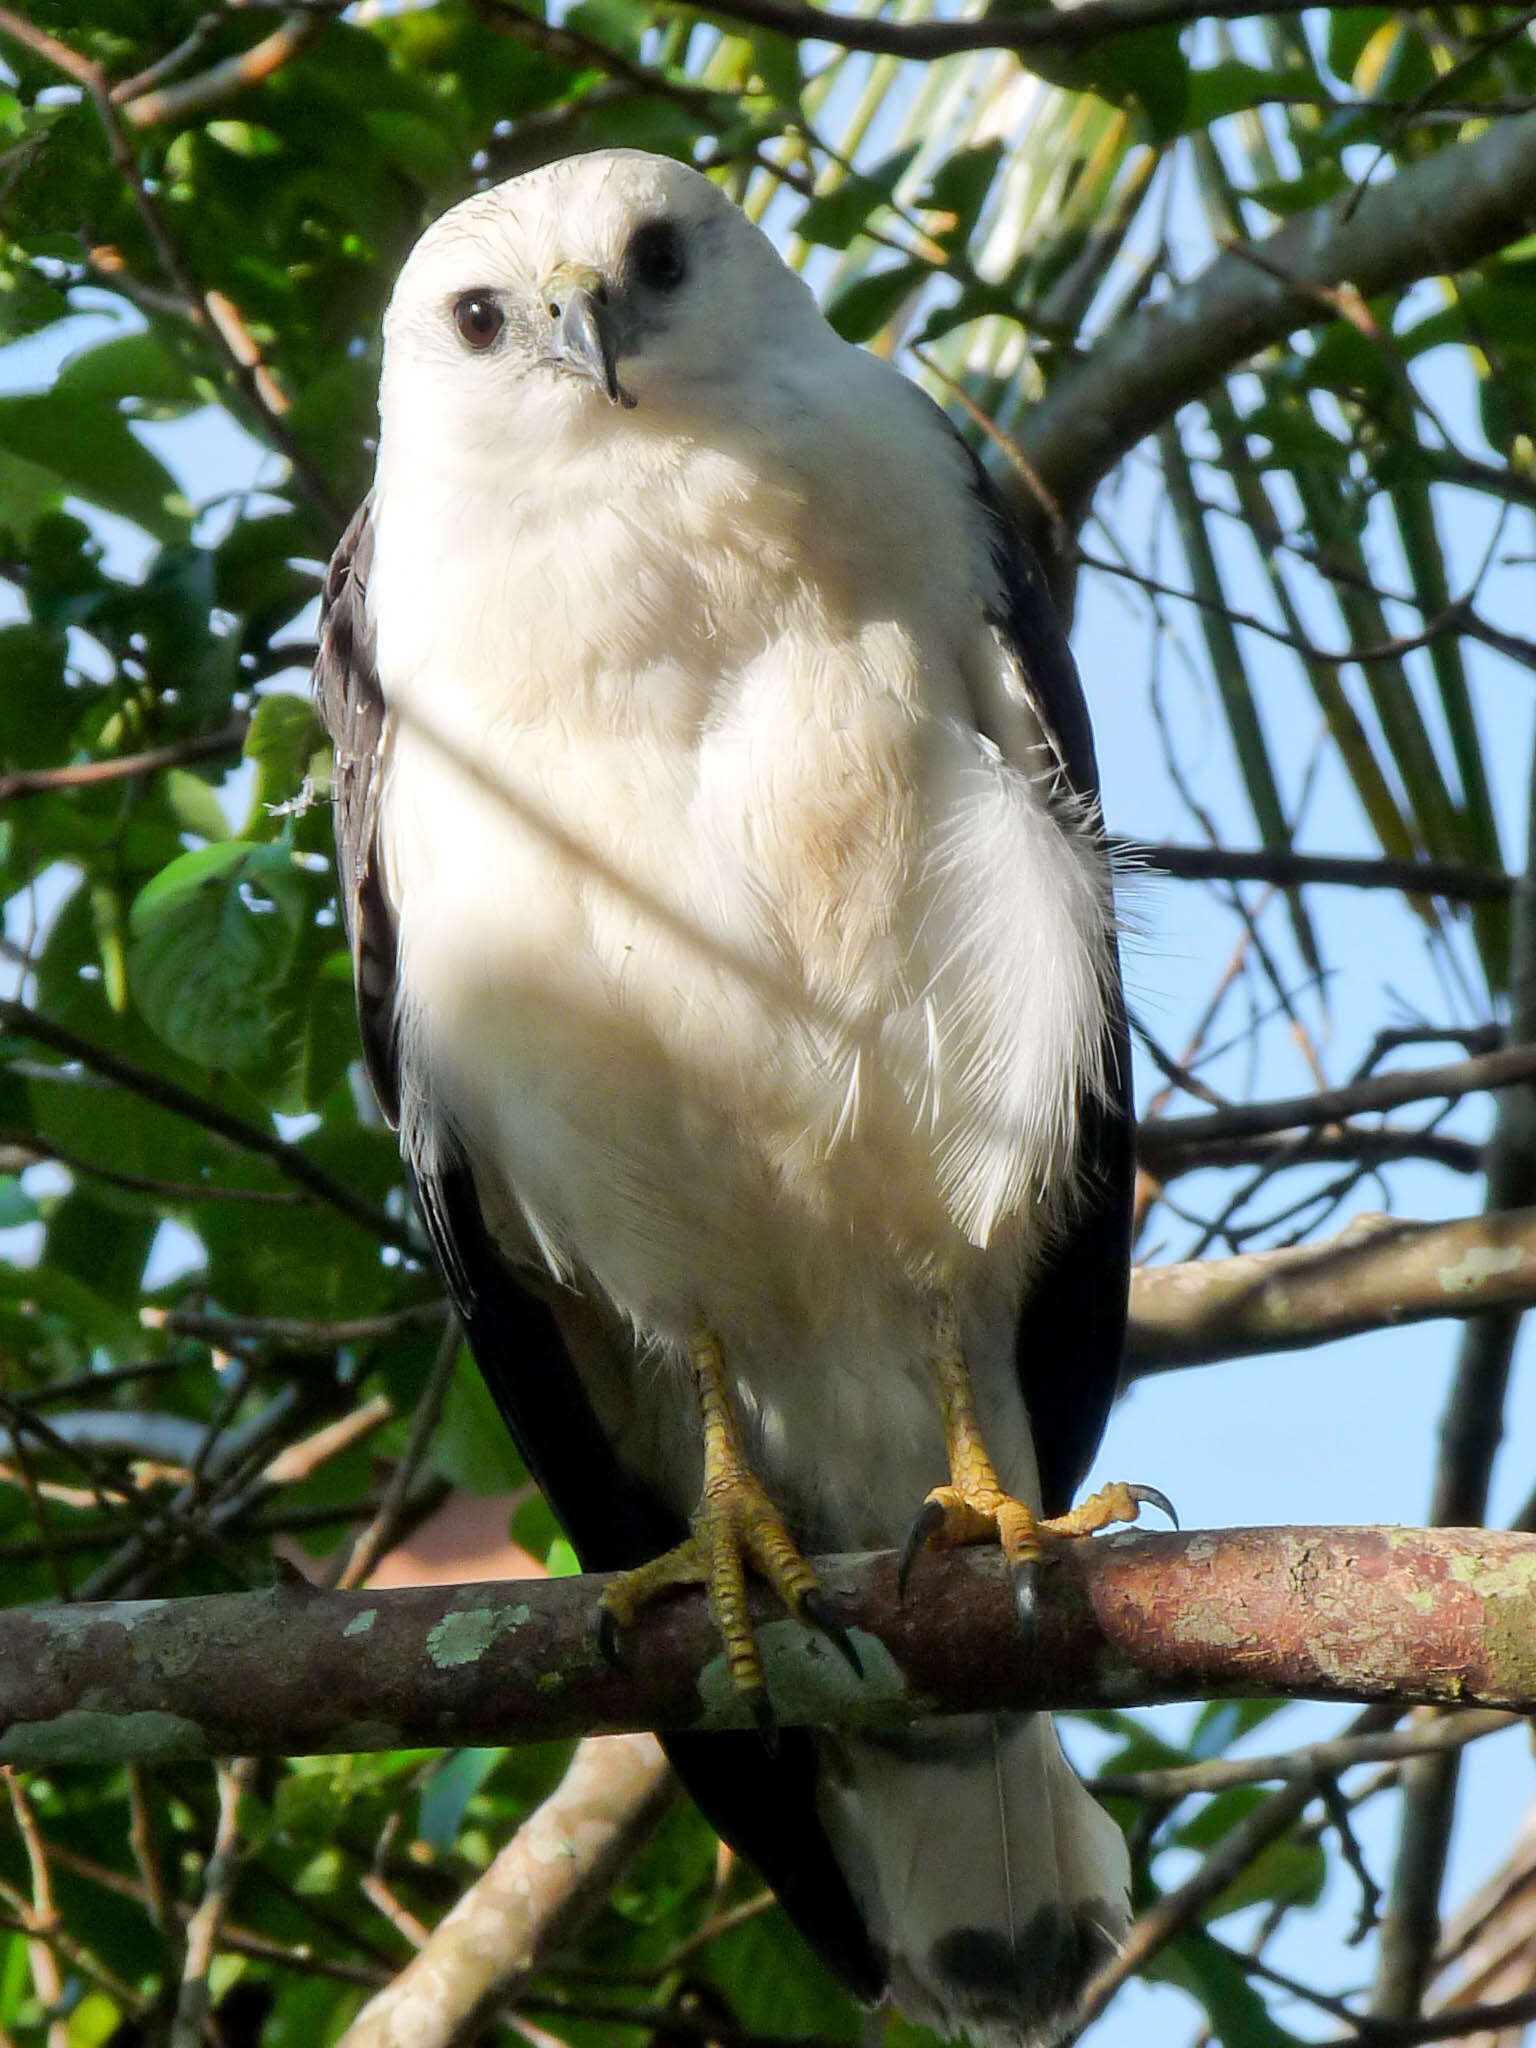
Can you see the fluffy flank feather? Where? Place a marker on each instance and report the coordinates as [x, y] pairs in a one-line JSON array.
[[1027, 920]]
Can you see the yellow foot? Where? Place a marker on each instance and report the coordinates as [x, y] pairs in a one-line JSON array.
[[734, 1526], [982, 1512], [975, 1508]]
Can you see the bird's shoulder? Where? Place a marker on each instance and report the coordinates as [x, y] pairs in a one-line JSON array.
[[351, 702]]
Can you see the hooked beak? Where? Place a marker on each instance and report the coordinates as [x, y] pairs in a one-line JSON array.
[[582, 336]]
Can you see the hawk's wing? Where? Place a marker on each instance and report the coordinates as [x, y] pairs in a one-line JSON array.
[[1072, 1329], [762, 1801]]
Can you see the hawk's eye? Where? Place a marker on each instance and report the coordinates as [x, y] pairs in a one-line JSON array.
[[479, 319], [656, 256]]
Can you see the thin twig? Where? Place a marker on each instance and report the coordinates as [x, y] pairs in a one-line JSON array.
[[300, 1333], [1513, 1065], [1456, 881], [211, 1116], [1312, 1764], [376, 1539], [82, 774], [219, 1873], [152, 103]]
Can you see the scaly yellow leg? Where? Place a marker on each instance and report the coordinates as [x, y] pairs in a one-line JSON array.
[[734, 1525], [975, 1508]]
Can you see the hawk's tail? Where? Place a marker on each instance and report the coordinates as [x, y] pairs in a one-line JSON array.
[[993, 1882]]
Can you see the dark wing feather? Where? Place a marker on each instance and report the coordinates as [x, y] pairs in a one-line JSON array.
[[762, 1802], [1072, 1331]]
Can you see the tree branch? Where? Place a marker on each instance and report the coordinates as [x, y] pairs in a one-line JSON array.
[[153, 102], [212, 1116], [1160, 1141], [1442, 214], [558, 1867], [1433, 1616], [1457, 881], [1076, 28], [1470, 1430], [77, 774], [1378, 1272]]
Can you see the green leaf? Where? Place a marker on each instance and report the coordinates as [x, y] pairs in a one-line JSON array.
[[960, 186], [1238, 2015], [1220, 1723], [774, 1983], [46, 1292], [286, 741], [87, 444], [778, 64], [195, 804], [1312, 187], [864, 308], [211, 938], [471, 1445], [137, 369], [448, 1792], [621, 24], [1233, 87], [38, 709], [834, 218], [420, 147], [1350, 30]]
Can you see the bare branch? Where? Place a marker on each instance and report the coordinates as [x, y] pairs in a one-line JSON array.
[[1429, 1616], [1456, 881], [1161, 1141], [220, 82], [212, 1116], [557, 1868], [78, 774], [300, 1333], [1437, 216], [1470, 1430], [203, 1929], [1315, 1760], [1378, 1272], [1076, 28]]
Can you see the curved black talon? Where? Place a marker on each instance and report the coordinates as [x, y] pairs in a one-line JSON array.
[[765, 1721], [1149, 1497], [608, 1646], [1026, 1594], [813, 1605], [926, 1524]]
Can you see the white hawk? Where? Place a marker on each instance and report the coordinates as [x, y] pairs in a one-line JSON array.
[[720, 850]]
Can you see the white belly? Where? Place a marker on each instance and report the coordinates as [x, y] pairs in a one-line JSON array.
[[687, 1118], [764, 1024]]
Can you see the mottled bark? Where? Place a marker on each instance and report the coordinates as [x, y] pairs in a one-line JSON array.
[[557, 1869], [1379, 1271], [1362, 1614]]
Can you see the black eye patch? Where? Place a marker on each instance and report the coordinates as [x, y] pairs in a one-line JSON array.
[[656, 257]]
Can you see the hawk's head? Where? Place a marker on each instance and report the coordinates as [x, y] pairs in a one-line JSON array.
[[616, 278]]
